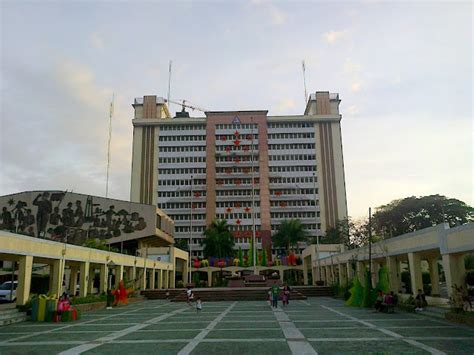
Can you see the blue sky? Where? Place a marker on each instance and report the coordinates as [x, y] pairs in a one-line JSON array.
[[403, 72]]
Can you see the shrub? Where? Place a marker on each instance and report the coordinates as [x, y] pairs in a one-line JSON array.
[[89, 299], [470, 277]]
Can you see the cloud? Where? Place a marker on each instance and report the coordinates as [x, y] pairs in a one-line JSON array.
[[353, 110], [357, 86], [285, 105], [334, 36], [96, 41], [277, 16]]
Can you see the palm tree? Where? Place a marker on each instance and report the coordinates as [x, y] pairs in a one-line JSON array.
[[290, 232], [219, 241]]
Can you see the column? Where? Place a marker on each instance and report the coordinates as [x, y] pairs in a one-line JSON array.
[[134, 277], [454, 270], [375, 273], [57, 271], [91, 279], [83, 278], [349, 271], [142, 279], [360, 269], [73, 279], [160, 279], [165, 279], [393, 278], [434, 276], [414, 264], [328, 275], [342, 275], [118, 275], [151, 279], [172, 278], [104, 274], [305, 272], [209, 279], [25, 269], [314, 274]]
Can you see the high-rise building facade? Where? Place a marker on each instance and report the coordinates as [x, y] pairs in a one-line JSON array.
[[198, 169]]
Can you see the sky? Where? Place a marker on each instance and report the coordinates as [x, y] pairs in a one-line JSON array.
[[403, 70]]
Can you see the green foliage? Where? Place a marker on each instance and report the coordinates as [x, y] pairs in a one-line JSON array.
[[383, 283], [289, 233], [470, 277], [250, 254], [100, 244], [469, 262], [181, 244], [241, 257], [89, 299], [196, 280], [219, 241], [368, 294], [357, 293], [414, 213]]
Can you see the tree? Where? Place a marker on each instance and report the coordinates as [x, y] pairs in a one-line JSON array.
[[352, 234], [290, 232], [100, 244], [181, 244], [219, 241], [414, 213]]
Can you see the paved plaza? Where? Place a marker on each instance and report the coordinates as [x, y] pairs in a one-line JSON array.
[[317, 325]]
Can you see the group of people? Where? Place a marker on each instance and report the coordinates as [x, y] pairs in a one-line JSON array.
[[275, 293], [385, 302]]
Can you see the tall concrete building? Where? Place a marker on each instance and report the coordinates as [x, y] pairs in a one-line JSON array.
[[203, 167]]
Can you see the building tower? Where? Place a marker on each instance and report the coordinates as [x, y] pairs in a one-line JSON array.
[[297, 165]]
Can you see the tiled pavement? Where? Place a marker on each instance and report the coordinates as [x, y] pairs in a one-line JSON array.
[[315, 326]]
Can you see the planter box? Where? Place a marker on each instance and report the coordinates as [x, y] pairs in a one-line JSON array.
[[467, 319]]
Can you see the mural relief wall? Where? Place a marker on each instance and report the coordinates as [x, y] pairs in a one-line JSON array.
[[66, 216]]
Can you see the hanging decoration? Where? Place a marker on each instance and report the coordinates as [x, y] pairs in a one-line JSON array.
[[223, 138], [237, 160], [247, 209], [197, 194], [278, 193], [258, 233], [248, 234], [246, 170], [237, 205], [237, 142], [245, 148], [236, 234], [228, 210], [238, 222], [227, 149], [238, 182], [236, 133], [283, 204], [249, 137]]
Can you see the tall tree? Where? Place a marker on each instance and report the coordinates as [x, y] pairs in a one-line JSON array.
[[352, 234], [290, 232], [181, 244], [219, 241], [414, 213]]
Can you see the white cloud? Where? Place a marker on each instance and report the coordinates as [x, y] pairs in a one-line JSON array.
[[357, 86], [334, 36], [285, 105], [96, 41], [353, 110]]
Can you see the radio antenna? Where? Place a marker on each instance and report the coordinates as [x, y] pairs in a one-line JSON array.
[[304, 82], [169, 83]]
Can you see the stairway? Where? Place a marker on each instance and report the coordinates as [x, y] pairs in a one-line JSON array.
[[220, 294], [314, 291], [10, 315], [161, 294]]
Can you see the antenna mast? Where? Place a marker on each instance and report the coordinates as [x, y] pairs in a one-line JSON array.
[[169, 83], [111, 113], [304, 82]]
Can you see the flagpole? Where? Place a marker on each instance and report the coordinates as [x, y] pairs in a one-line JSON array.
[[111, 112]]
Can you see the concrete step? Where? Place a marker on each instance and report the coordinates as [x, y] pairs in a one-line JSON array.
[[7, 313], [11, 315]]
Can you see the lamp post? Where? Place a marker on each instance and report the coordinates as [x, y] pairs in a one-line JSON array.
[[316, 225]]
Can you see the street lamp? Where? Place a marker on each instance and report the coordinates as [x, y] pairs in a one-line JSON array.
[[316, 225]]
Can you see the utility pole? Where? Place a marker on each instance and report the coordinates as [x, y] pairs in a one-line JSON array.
[[191, 229], [316, 224]]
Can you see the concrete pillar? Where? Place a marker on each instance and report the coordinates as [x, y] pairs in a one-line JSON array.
[[91, 280], [342, 275], [328, 275], [134, 277], [151, 279], [209, 278], [104, 278], [142, 279], [348, 271], [305, 272], [393, 277], [25, 269], [118, 275], [375, 273], [282, 275], [414, 263], [56, 278], [160, 279], [454, 270], [173, 279], [434, 276], [314, 275], [73, 280], [165, 279], [84, 278]]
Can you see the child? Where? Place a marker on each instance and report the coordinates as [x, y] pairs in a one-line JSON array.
[[198, 305]]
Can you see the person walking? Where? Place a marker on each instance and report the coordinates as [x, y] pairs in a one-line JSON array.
[[275, 295], [198, 304], [286, 295]]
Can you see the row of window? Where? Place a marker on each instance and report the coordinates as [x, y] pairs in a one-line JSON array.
[[294, 180], [291, 146], [242, 204], [182, 127], [282, 169], [181, 205], [292, 203], [236, 192], [285, 192], [236, 126], [182, 138], [185, 229], [292, 157], [236, 148], [309, 226], [236, 216], [290, 124], [185, 217], [179, 182], [192, 148], [235, 159], [182, 171], [290, 135], [236, 170], [179, 193], [290, 215], [173, 160]]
